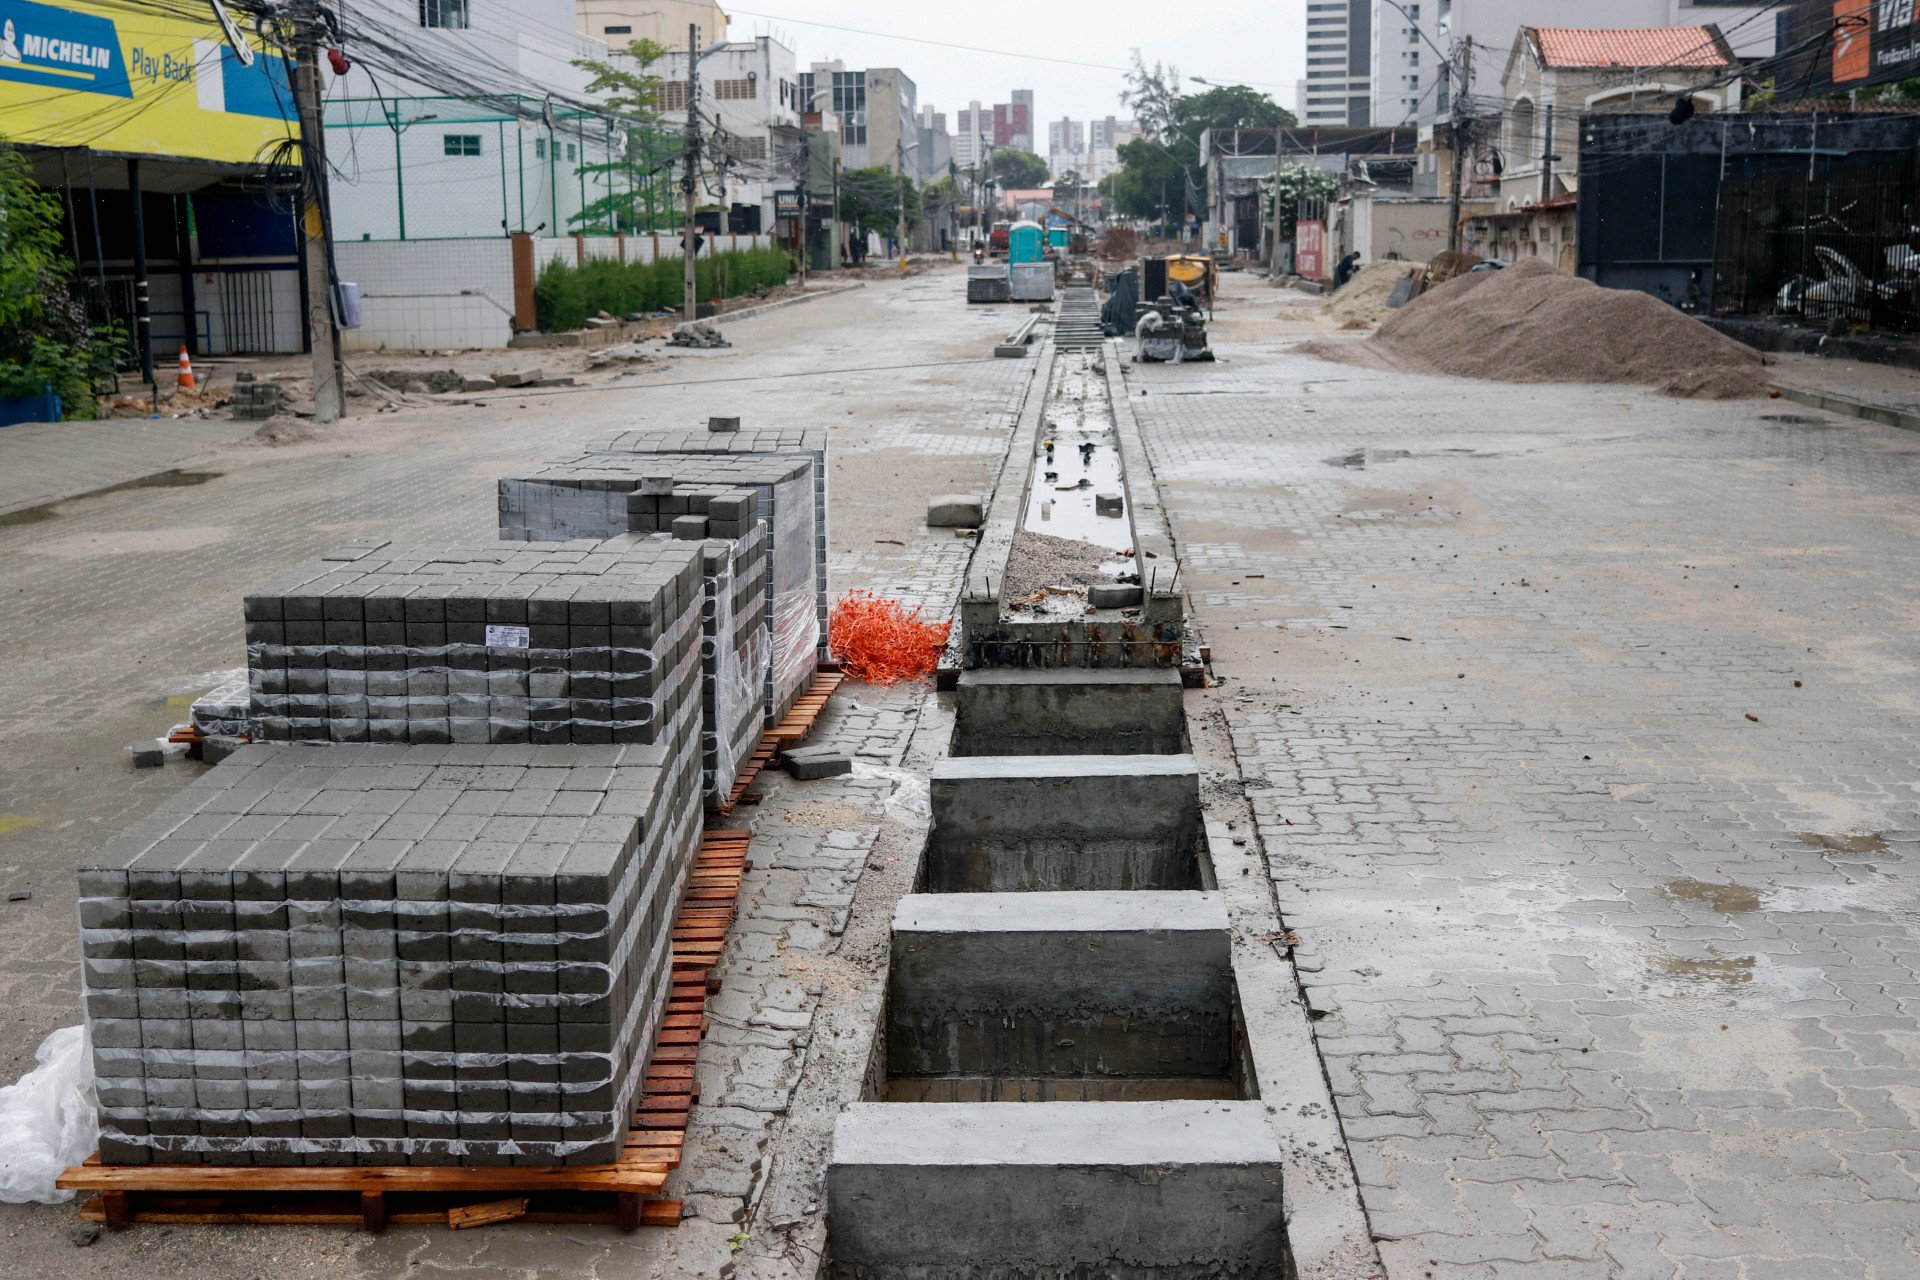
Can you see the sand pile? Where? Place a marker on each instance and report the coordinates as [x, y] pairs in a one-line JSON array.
[[1530, 323], [1361, 302]]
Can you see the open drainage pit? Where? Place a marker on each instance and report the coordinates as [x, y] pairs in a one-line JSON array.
[[1038, 824], [1034, 711], [1074, 533]]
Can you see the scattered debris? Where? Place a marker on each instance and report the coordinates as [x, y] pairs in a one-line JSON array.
[[697, 333]]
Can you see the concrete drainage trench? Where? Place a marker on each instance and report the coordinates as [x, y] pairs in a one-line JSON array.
[[1062, 1082]]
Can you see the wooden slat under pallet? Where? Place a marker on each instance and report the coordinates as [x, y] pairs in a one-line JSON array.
[[624, 1194], [793, 727]]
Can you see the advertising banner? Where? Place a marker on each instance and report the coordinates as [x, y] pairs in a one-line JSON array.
[[1310, 250], [1849, 44], [121, 78]]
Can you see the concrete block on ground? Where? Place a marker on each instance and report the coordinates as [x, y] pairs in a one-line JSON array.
[[807, 764], [1010, 350], [1060, 984], [518, 377], [1109, 504], [1069, 711], [146, 753], [1009, 824], [955, 511], [1171, 1190], [723, 424], [218, 747]]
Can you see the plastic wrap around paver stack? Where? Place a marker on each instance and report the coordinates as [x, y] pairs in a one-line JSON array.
[[426, 955], [581, 642], [594, 495], [733, 655], [778, 442]]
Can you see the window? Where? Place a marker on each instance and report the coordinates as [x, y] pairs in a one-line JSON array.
[[443, 13], [571, 153], [626, 30], [673, 95], [734, 90], [539, 148], [462, 144]]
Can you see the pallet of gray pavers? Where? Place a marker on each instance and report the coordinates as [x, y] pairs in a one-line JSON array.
[[748, 440], [583, 642], [429, 955], [600, 494]]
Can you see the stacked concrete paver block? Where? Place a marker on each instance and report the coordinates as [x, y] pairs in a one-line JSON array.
[[579, 642], [386, 954], [809, 442], [596, 495]]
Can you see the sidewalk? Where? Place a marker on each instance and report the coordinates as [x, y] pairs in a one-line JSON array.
[[1877, 393], [45, 462]]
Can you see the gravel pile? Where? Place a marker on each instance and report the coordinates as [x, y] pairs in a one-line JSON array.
[[1040, 560], [1361, 302]]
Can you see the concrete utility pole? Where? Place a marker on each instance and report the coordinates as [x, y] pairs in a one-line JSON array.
[[1460, 130], [900, 171], [806, 207], [329, 398], [690, 180]]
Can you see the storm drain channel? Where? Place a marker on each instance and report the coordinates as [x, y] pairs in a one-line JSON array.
[[1062, 1083]]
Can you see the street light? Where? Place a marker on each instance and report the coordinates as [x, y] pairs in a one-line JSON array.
[[900, 167]]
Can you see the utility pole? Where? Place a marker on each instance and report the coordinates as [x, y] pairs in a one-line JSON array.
[[329, 399], [1546, 160], [690, 180], [1460, 130], [900, 171], [806, 206]]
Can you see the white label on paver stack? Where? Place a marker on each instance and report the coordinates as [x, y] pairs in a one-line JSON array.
[[502, 637]]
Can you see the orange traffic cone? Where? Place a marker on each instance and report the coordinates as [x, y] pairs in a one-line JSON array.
[[186, 370]]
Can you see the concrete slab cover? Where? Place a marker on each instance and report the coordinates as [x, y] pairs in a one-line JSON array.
[[1095, 912]]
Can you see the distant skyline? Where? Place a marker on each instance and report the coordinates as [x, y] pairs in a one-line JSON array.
[[1244, 42]]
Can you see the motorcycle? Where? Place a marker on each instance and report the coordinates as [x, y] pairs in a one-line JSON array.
[[979, 253]]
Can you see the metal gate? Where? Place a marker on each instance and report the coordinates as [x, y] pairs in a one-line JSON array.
[[246, 306]]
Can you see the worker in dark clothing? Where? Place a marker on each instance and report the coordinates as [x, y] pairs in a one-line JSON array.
[[1344, 269]]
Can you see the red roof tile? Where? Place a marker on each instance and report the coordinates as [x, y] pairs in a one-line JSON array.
[[1585, 47]]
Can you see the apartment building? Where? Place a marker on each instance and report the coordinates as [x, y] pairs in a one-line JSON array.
[[1337, 89], [621, 22], [751, 90], [875, 107]]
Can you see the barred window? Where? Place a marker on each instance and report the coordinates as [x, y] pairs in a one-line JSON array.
[[734, 90]]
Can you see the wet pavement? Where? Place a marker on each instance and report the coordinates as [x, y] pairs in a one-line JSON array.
[[1582, 728]]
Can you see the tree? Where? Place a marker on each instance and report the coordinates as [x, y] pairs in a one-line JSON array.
[[1164, 163], [632, 96], [1014, 168], [870, 200], [46, 342], [1067, 183], [1296, 186]]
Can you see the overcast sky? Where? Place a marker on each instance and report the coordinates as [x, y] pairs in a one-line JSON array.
[[1226, 42]]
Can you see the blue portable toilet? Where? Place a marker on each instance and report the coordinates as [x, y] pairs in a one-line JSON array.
[[1026, 242]]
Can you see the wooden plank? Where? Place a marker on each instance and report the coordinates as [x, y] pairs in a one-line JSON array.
[[119, 1179], [480, 1215]]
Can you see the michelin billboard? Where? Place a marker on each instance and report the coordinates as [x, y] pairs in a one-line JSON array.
[[109, 77]]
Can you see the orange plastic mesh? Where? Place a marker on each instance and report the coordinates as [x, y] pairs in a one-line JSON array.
[[881, 641]]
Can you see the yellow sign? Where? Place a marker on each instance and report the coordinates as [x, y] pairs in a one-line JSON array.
[[109, 76]]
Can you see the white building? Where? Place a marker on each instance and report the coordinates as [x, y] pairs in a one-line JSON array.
[[621, 22], [489, 131], [972, 134], [1338, 85], [751, 89], [1405, 70]]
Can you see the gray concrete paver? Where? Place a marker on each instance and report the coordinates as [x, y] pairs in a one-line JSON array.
[[1511, 672]]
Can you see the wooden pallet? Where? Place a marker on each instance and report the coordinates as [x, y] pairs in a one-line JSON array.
[[793, 727], [624, 1194]]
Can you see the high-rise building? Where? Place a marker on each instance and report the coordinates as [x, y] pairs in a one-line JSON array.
[[1065, 136], [1338, 86], [1013, 121], [972, 133]]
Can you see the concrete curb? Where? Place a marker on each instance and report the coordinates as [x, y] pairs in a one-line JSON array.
[[748, 313], [1867, 411], [1327, 1229]]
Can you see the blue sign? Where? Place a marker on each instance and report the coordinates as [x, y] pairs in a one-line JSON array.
[[61, 49]]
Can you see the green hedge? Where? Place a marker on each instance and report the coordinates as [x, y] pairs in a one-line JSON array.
[[566, 295]]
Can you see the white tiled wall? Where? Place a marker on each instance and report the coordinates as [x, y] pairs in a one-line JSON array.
[[435, 295]]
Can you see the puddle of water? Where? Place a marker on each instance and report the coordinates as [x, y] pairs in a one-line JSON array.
[[1870, 842], [175, 479], [1084, 462], [1728, 899], [1719, 969]]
